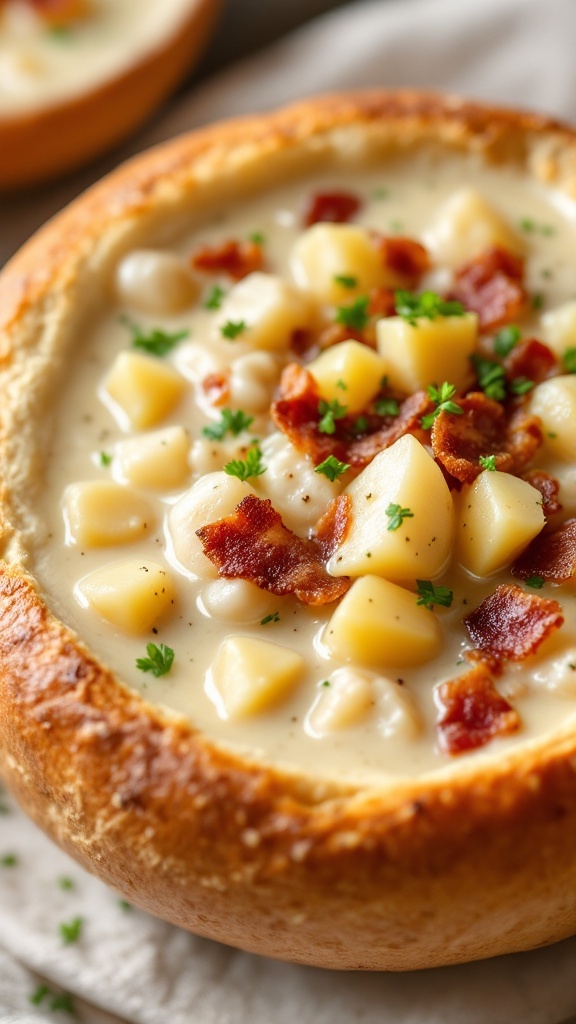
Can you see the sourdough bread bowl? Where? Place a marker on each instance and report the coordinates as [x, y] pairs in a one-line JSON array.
[[77, 76], [403, 823]]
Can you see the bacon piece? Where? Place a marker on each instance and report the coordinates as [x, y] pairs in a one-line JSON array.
[[334, 334], [491, 286], [334, 207], [550, 555], [511, 624], [253, 544], [474, 712], [295, 413], [382, 302], [549, 489], [484, 429], [403, 256], [215, 387], [332, 528], [531, 359], [234, 258]]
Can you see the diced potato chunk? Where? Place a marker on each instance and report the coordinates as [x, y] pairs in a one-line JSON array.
[[420, 547], [250, 676], [326, 252], [212, 497], [131, 594], [100, 512], [427, 351], [499, 514], [154, 281], [356, 366], [466, 225], [379, 623], [554, 401], [559, 327], [269, 309], [144, 388], [344, 699], [158, 460]]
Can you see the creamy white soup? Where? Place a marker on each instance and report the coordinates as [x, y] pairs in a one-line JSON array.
[[166, 411], [50, 52]]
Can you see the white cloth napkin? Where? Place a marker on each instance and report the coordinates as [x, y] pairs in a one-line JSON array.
[[517, 52]]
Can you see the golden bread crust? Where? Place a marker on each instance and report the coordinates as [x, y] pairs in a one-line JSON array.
[[447, 868]]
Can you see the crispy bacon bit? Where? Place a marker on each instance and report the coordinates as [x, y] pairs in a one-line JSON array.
[[215, 387], [491, 286], [549, 489], [234, 258], [332, 528], [382, 302], [474, 712], [404, 256], [334, 207], [551, 555], [334, 334], [295, 413], [253, 544], [484, 429], [531, 359], [511, 624]]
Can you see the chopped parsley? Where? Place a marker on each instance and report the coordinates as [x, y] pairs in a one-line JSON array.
[[505, 339], [427, 305], [346, 280], [537, 301], [329, 413], [154, 341], [159, 660], [214, 298], [332, 467], [488, 462], [491, 377], [9, 860], [257, 238], [273, 617], [230, 422], [430, 595], [232, 329], [569, 360], [39, 995], [105, 459], [64, 1002], [530, 227], [521, 385], [397, 515], [325, 682], [125, 906], [442, 396], [70, 931], [360, 425], [387, 407], [66, 884], [252, 466], [536, 582], [355, 316], [342, 385]]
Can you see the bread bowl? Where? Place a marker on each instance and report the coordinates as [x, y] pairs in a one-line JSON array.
[[77, 76], [270, 818]]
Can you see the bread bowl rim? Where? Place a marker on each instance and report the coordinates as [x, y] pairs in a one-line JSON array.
[[276, 859]]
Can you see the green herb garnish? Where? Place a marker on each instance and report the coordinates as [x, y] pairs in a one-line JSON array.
[[70, 931], [387, 407], [488, 462], [397, 515], [230, 422], [427, 305], [252, 466], [569, 360], [521, 385], [159, 660], [105, 459], [356, 315], [155, 341], [505, 339], [346, 280], [491, 377], [430, 595], [329, 413], [214, 298], [536, 582], [232, 329], [332, 467], [9, 860], [273, 617], [442, 396], [66, 884], [257, 238]]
